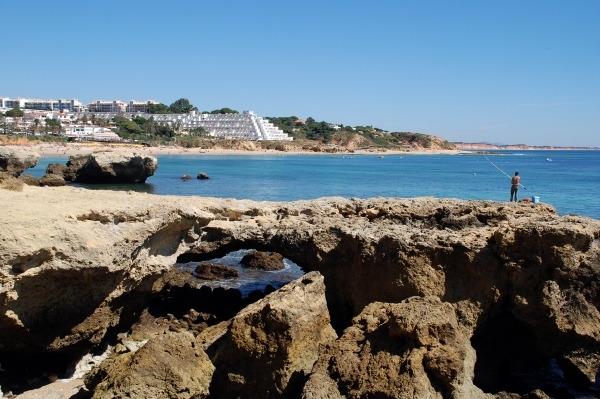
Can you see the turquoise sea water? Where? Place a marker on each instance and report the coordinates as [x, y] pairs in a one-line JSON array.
[[570, 182]]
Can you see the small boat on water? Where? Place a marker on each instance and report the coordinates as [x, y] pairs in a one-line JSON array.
[[549, 159]]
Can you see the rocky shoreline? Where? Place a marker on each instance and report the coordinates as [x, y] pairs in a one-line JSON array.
[[402, 297]]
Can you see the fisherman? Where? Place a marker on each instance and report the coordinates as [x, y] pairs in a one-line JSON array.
[[515, 181]]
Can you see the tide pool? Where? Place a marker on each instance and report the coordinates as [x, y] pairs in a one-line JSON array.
[[570, 181]]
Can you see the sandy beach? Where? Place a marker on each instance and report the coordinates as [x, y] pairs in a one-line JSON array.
[[66, 149]]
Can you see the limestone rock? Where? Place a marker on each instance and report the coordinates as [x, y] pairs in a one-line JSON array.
[[75, 262], [110, 167], [52, 180], [168, 366], [270, 346], [14, 160], [56, 169], [214, 271], [263, 260], [414, 349]]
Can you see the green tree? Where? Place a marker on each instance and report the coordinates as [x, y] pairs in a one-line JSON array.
[[127, 127], [53, 126], [181, 106], [224, 111], [158, 109], [15, 113]]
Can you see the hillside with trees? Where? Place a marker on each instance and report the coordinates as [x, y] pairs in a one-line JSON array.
[[354, 137]]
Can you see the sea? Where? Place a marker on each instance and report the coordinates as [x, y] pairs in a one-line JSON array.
[[567, 180]]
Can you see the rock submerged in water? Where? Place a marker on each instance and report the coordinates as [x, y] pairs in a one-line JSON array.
[[263, 260], [203, 176], [214, 271], [186, 177], [14, 161], [106, 167]]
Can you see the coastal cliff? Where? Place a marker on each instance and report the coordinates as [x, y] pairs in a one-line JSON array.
[[457, 295]]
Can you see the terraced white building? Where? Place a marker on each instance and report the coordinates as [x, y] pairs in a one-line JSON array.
[[246, 126]]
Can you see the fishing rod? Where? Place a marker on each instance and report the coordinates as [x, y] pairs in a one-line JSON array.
[[502, 171]]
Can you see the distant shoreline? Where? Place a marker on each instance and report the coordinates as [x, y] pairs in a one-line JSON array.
[[66, 149], [518, 147]]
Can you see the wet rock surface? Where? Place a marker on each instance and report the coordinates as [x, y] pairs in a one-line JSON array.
[[214, 271], [88, 265], [263, 260]]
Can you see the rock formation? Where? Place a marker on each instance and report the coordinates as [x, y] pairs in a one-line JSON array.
[[169, 366], [214, 271], [263, 260], [107, 167], [415, 348], [511, 288], [268, 348], [14, 160], [52, 180], [202, 176]]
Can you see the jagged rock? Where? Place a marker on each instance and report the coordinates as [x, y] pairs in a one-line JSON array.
[[203, 176], [214, 271], [75, 262], [167, 366], [414, 349], [52, 180], [286, 329], [14, 160], [56, 169], [263, 260], [110, 167]]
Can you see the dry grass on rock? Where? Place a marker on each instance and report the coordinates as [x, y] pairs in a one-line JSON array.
[[12, 183]]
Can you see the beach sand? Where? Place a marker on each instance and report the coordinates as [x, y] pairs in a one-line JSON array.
[[66, 149]]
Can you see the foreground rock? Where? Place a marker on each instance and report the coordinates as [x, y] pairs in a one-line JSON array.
[[263, 260], [107, 167], [414, 349], [168, 366], [15, 160], [523, 282], [285, 330]]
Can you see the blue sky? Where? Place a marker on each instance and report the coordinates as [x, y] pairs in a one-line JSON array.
[[508, 72]]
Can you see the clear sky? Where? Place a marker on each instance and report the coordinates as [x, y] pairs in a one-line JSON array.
[[503, 71]]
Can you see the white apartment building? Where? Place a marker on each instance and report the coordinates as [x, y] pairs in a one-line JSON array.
[[115, 106], [118, 106], [61, 104], [246, 126], [139, 106], [95, 133]]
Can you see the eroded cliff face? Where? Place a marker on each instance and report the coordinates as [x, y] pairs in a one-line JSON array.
[[76, 262]]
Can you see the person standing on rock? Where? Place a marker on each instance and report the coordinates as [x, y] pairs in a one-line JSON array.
[[515, 186]]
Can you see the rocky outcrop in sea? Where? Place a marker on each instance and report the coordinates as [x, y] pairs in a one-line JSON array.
[[402, 297], [106, 167]]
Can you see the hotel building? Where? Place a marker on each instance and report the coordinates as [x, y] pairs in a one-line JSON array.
[[61, 104], [117, 106], [246, 126]]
